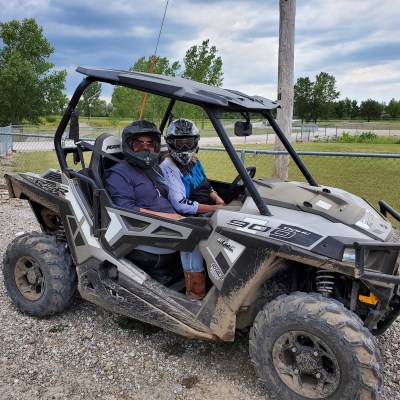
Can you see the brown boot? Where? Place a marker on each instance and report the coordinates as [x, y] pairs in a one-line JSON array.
[[195, 285]]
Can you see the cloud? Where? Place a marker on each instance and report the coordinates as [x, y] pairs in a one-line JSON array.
[[357, 41]]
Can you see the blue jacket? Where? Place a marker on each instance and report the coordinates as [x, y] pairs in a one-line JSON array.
[[132, 189]]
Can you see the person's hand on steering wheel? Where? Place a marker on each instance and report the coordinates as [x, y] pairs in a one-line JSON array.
[[251, 170], [217, 200]]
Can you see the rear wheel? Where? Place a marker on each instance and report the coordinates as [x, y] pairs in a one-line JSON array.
[[39, 274], [305, 346]]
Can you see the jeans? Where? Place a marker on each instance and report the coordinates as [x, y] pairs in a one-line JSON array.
[[192, 261]]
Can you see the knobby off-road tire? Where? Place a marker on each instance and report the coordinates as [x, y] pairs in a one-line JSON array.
[[39, 274], [305, 346]]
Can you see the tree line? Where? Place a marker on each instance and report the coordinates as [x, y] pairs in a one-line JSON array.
[[31, 89], [314, 101]]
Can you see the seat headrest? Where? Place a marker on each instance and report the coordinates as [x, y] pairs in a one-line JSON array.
[[108, 143], [99, 163]]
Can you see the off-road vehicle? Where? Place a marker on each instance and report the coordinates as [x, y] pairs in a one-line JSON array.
[[311, 270]]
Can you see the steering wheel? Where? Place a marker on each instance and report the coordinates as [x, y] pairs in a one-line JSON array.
[[231, 192]]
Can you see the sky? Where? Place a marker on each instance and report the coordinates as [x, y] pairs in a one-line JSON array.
[[356, 41]]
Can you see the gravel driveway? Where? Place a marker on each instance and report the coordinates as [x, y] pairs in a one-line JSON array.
[[89, 353]]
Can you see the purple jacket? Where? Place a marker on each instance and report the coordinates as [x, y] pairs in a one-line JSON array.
[[132, 189]]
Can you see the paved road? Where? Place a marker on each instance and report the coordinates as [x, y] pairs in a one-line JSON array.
[[319, 134]]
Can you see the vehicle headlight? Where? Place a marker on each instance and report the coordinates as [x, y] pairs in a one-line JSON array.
[[349, 255]]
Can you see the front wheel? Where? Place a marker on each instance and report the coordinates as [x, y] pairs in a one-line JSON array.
[[39, 275], [305, 346]]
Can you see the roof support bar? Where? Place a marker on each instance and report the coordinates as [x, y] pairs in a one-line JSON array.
[[167, 114], [65, 119], [262, 207], [306, 173]]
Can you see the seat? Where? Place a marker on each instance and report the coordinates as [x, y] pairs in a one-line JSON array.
[[99, 163], [164, 268]]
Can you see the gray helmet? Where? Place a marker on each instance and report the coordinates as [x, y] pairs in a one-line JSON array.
[[182, 139], [145, 158]]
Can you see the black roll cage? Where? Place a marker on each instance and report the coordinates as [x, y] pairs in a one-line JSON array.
[[213, 100]]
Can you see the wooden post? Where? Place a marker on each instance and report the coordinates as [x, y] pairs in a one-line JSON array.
[[287, 14]]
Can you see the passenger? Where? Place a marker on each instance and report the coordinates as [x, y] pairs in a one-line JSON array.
[[190, 191], [137, 183]]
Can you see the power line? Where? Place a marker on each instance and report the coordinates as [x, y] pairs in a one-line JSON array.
[[162, 24], [153, 62]]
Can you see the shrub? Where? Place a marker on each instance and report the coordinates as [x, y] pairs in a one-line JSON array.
[[346, 137], [51, 119], [367, 137]]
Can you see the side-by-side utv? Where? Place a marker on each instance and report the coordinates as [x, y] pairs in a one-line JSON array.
[[310, 269]]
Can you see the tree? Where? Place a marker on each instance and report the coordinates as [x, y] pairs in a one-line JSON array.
[[127, 103], [28, 87], [203, 65], [393, 109], [346, 109], [303, 93], [314, 100], [354, 109], [324, 94], [90, 100], [370, 109]]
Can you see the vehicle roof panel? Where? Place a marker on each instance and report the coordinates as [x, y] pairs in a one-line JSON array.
[[181, 89]]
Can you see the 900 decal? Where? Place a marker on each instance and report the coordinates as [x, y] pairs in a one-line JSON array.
[[284, 232], [295, 235], [252, 225]]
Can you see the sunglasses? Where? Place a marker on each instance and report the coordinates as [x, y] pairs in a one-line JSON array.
[[142, 143]]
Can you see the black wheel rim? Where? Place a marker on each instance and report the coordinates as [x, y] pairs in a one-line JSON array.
[[29, 278], [306, 364]]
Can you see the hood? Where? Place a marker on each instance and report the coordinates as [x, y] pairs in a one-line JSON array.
[[334, 204]]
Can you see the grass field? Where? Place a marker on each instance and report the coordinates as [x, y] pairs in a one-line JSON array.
[[371, 178]]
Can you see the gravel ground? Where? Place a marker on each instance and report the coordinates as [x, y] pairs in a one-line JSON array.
[[87, 352]]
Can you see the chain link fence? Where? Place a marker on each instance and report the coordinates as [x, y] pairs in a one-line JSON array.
[[331, 132], [371, 176]]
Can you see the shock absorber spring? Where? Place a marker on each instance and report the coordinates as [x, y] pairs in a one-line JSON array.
[[325, 282]]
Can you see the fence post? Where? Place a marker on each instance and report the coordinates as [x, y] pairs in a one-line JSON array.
[[6, 140], [243, 156]]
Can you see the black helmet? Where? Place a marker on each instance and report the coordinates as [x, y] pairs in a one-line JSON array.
[[145, 158], [182, 138]]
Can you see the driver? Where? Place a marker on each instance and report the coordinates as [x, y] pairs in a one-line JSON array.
[[190, 191], [138, 184]]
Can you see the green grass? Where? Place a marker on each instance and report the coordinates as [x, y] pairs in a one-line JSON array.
[[371, 178], [40, 161]]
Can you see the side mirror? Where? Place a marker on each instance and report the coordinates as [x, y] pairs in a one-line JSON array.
[[74, 127], [243, 128]]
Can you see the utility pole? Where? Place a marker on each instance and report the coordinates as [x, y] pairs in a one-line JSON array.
[[287, 14]]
